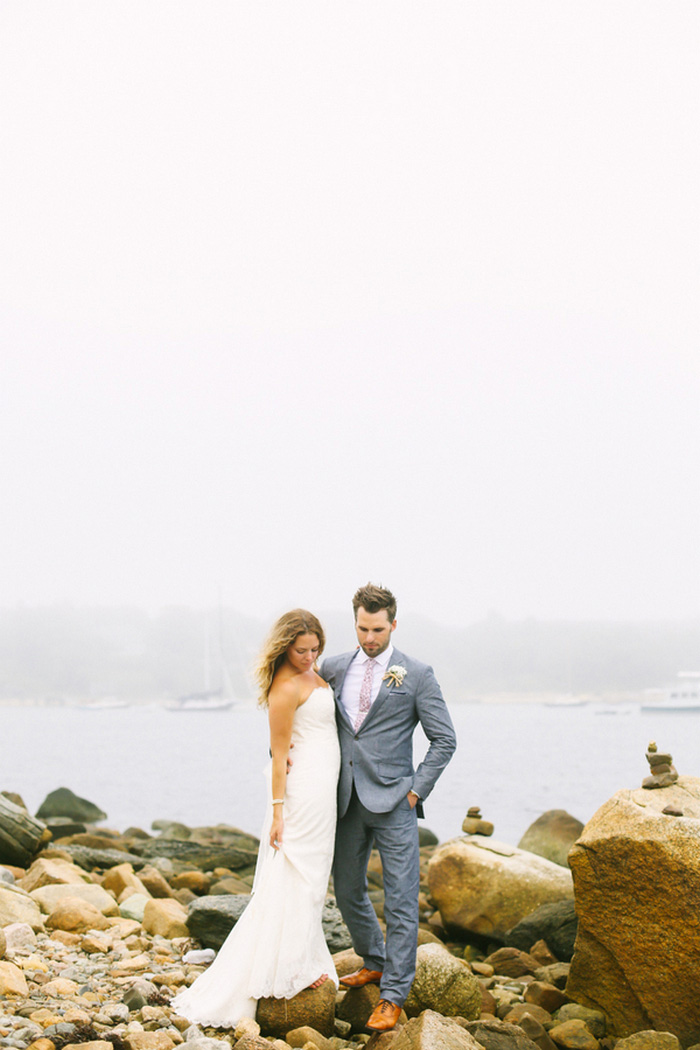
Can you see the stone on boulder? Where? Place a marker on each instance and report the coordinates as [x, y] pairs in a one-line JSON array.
[[357, 1004], [554, 923], [64, 803], [637, 876], [443, 983], [485, 887], [552, 835], [432, 1031], [312, 1006]]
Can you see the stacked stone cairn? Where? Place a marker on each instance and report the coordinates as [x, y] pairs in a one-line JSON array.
[[663, 772], [473, 824]]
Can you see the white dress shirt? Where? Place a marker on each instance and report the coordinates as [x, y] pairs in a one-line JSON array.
[[350, 695]]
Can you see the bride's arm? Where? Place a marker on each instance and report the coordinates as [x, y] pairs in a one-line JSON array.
[[283, 701]]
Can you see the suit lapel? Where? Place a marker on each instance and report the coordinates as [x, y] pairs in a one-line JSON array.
[[341, 681], [384, 690]]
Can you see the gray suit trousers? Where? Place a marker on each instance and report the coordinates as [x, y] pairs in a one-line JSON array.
[[395, 835]]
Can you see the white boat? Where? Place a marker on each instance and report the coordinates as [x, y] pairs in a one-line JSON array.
[[683, 695], [209, 699]]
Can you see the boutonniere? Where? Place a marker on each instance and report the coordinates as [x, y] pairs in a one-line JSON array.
[[395, 674]]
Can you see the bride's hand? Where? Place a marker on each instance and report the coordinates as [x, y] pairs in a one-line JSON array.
[[276, 831]]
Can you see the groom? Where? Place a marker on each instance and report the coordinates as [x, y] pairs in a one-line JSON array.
[[381, 695]]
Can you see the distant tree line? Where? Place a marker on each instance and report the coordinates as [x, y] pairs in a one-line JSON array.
[[68, 652]]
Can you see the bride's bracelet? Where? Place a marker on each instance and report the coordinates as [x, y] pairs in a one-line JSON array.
[[277, 801]]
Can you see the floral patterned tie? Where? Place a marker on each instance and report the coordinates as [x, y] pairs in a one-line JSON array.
[[365, 694]]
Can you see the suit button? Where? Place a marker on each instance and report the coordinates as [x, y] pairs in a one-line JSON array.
[[350, 761]]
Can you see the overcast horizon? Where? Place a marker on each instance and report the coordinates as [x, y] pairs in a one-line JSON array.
[[300, 296]]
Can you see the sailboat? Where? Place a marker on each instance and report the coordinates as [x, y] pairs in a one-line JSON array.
[[209, 699]]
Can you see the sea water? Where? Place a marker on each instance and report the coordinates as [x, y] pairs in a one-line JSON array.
[[515, 761]]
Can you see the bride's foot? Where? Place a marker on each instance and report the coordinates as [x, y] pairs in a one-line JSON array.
[[321, 980]]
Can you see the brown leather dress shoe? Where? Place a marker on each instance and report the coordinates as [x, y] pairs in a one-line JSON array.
[[384, 1016], [361, 977]]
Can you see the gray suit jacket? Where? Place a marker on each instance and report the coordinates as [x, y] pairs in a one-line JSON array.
[[378, 758]]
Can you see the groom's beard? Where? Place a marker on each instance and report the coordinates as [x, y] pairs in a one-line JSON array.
[[373, 652]]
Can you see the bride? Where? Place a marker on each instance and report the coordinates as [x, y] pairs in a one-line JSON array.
[[277, 947]]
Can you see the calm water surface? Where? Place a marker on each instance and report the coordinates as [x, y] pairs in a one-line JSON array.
[[514, 760]]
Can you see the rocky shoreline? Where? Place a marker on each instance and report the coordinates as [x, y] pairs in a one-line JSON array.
[[99, 929]]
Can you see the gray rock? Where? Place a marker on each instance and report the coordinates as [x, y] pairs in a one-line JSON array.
[[63, 827], [211, 919], [60, 1031], [90, 858], [593, 1019], [426, 837], [137, 994], [194, 1037], [204, 857], [6, 876], [64, 803], [554, 923], [444, 984], [552, 835], [499, 1035], [335, 931]]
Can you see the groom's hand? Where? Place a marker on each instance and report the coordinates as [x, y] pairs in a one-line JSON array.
[[290, 763], [413, 799]]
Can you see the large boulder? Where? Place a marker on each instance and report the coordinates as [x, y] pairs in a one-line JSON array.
[[211, 919], [54, 872], [75, 915], [554, 923], [636, 872], [12, 980], [312, 1006], [47, 897], [199, 855], [165, 918], [18, 906], [443, 983], [494, 1034], [64, 803], [90, 858], [552, 835], [485, 887], [431, 1031]]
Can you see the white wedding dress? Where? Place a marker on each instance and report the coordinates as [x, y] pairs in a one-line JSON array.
[[277, 947]]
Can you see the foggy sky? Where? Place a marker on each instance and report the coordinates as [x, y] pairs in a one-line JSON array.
[[300, 295]]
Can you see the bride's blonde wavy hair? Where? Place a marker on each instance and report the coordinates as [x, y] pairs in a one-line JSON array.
[[282, 634]]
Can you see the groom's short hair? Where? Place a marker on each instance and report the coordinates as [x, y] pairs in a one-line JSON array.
[[373, 599]]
